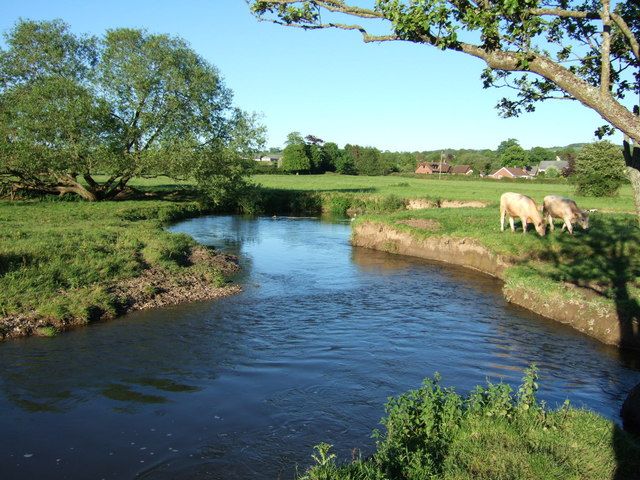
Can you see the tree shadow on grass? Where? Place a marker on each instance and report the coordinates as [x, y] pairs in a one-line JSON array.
[[626, 447], [605, 260], [11, 261]]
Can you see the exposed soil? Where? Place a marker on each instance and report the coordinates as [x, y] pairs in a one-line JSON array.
[[423, 204], [423, 223], [595, 320], [155, 287], [420, 204], [462, 204]]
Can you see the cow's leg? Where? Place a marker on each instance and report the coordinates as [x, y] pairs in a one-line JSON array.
[[552, 227], [567, 222], [524, 224], [513, 224], [503, 213]]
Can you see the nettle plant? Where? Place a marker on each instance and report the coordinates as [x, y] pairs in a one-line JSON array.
[[582, 50]]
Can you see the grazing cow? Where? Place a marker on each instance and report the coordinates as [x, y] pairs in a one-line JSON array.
[[523, 207], [555, 206]]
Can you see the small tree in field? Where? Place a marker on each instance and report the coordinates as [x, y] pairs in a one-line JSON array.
[[599, 170]]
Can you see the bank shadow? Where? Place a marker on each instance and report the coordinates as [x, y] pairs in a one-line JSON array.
[[604, 261], [627, 451]]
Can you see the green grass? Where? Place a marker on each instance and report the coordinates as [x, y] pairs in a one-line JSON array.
[[449, 188], [57, 259], [492, 433]]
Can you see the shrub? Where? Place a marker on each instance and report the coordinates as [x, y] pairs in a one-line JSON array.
[[493, 432], [599, 170]]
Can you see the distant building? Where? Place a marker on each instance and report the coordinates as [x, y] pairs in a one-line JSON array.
[[461, 170], [557, 164], [510, 172], [429, 168], [270, 159]]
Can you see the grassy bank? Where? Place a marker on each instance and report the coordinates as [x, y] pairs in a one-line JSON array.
[[430, 188], [68, 263], [492, 433]]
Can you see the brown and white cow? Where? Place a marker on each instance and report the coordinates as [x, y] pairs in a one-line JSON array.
[[523, 207], [555, 206]]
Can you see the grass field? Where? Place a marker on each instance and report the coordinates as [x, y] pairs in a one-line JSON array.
[[449, 188]]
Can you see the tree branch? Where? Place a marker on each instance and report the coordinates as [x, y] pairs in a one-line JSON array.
[[624, 28], [605, 62]]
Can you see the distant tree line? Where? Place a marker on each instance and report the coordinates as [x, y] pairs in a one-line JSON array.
[[312, 155]]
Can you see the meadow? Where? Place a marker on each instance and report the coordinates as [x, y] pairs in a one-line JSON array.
[[447, 188]]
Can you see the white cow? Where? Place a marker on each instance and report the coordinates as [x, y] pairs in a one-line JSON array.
[[523, 207], [555, 206]]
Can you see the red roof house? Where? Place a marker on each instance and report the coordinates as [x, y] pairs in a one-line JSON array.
[[510, 172], [461, 170]]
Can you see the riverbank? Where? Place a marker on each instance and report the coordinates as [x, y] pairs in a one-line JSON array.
[[66, 264], [588, 281]]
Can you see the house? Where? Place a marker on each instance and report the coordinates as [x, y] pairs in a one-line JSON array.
[[269, 159], [461, 170], [557, 164], [430, 168], [424, 168], [510, 172]]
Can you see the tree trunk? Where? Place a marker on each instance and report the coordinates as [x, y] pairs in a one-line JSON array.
[[631, 151], [634, 177], [78, 190]]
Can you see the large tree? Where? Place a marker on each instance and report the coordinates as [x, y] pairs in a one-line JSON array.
[[583, 50], [128, 104]]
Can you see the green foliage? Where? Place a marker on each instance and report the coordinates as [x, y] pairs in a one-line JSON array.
[[513, 155], [366, 160], [294, 158], [331, 156], [435, 433], [130, 103], [599, 170], [540, 154]]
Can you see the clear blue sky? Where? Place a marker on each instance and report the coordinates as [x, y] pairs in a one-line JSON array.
[[394, 96]]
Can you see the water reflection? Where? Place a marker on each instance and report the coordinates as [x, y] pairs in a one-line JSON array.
[[243, 388]]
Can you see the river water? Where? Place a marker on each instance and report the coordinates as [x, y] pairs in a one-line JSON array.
[[321, 336]]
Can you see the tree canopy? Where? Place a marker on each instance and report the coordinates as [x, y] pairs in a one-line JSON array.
[[127, 104], [599, 170]]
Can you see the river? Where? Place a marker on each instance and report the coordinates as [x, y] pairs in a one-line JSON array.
[[321, 336]]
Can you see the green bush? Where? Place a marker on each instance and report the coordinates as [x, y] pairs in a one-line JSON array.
[[599, 170], [492, 433]]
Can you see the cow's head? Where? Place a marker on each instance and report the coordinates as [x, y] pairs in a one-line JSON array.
[[583, 219], [541, 226]]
